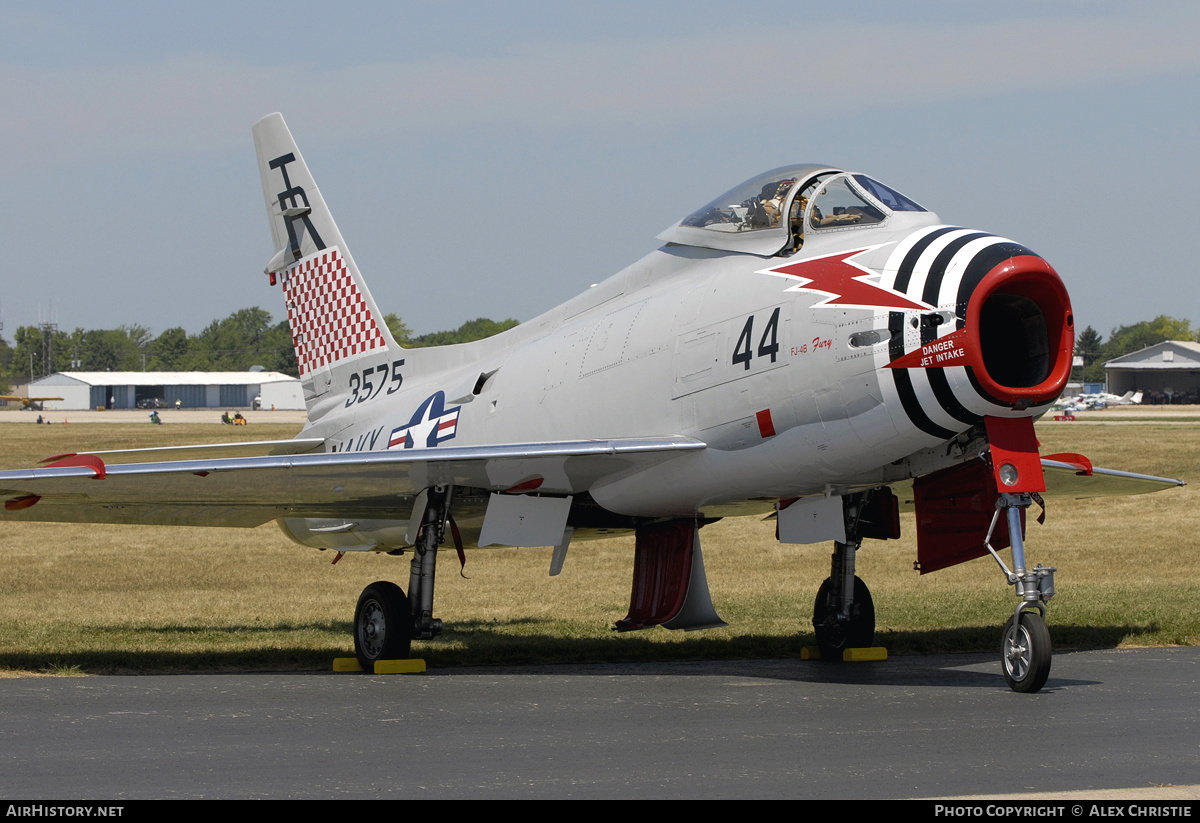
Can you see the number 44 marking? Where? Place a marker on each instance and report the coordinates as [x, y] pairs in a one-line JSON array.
[[742, 352]]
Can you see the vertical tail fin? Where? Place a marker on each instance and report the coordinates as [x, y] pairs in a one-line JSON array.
[[333, 318]]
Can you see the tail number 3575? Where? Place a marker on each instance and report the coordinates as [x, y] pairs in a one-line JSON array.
[[367, 384]]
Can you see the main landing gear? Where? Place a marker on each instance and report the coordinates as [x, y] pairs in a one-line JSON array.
[[1025, 644], [385, 620], [843, 622], [844, 614]]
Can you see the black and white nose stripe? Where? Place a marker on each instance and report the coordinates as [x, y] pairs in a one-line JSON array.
[[942, 266]]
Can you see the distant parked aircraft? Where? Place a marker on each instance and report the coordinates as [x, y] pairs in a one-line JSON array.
[[32, 403]]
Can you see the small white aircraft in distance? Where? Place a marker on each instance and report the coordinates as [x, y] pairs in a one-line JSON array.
[[811, 343], [1102, 400], [1129, 398], [1105, 399]]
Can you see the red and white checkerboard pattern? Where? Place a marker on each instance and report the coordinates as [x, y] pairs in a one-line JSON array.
[[329, 318]]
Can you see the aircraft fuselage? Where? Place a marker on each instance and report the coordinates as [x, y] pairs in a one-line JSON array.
[[768, 361]]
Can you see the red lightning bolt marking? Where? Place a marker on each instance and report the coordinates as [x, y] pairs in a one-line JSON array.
[[844, 282]]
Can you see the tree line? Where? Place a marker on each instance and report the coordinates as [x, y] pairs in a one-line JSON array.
[[250, 337], [246, 338]]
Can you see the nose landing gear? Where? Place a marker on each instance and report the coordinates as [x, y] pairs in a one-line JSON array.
[[1025, 649]]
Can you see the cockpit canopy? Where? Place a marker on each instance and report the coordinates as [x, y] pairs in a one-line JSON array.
[[769, 214]]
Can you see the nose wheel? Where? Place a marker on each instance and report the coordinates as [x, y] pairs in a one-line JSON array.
[[1025, 651]]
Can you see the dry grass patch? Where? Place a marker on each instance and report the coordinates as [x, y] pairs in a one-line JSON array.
[[23, 444]]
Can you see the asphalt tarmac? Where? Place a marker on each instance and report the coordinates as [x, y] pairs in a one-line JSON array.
[[911, 727]]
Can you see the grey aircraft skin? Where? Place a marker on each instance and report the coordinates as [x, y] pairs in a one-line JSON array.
[[811, 343]]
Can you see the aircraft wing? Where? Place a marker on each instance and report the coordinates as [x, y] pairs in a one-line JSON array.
[[1073, 476], [249, 491]]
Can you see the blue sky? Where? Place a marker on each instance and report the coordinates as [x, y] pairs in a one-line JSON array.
[[494, 159]]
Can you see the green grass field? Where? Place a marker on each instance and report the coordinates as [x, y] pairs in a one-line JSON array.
[[98, 599]]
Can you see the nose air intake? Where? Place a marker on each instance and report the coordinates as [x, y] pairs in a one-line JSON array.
[[1019, 320], [1010, 347]]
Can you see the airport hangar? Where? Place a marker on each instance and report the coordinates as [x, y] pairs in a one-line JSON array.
[[83, 390], [1167, 372]]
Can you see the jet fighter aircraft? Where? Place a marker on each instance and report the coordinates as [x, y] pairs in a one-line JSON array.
[[811, 345]]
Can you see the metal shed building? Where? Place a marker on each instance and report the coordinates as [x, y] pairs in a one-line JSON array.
[[125, 390], [1167, 372]]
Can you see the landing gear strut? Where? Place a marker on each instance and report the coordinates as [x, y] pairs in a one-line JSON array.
[[385, 620], [844, 614], [1025, 650]]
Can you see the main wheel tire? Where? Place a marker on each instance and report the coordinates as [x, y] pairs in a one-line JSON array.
[[835, 636], [1026, 658], [382, 625]]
